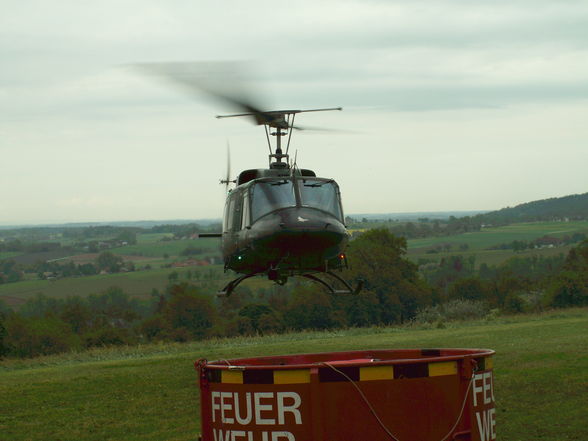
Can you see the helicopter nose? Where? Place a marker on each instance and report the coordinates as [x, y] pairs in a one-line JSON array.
[[305, 230], [309, 220]]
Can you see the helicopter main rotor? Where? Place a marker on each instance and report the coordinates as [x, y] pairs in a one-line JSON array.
[[222, 81], [280, 120]]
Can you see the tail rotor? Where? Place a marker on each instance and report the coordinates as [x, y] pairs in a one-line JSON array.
[[227, 179]]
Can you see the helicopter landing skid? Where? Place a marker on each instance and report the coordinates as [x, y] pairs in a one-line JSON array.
[[348, 290], [229, 287]]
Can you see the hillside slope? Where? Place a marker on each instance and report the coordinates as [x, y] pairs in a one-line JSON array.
[[572, 207]]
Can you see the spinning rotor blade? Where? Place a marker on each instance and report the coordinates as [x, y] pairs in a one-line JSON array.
[[228, 178], [224, 81], [227, 82]]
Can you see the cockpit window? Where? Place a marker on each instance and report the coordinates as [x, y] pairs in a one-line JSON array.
[[272, 195], [320, 194]]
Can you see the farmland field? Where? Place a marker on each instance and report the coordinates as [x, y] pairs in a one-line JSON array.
[[478, 242], [150, 392], [151, 245], [136, 284], [152, 250], [7, 254]]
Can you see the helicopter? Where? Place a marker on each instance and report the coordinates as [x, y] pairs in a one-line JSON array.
[[281, 221]]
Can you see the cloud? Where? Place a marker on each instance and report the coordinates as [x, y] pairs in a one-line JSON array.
[[77, 131]]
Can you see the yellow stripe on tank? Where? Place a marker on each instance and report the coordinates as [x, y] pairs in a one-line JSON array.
[[488, 363], [442, 368], [232, 377], [376, 373], [294, 376]]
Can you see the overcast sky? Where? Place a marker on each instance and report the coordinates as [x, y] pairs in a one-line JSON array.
[[448, 105]]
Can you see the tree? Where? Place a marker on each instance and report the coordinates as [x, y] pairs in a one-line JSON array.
[[568, 289], [377, 257], [360, 310], [113, 307], [109, 262], [39, 336], [3, 346], [577, 259], [173, 277], [254, 311], [76, 313], [468, 289], [128, 236], [189, 313], [309, 309]]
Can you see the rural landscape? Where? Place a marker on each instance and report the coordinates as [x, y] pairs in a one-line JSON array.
[[120, 313], [294, 221]]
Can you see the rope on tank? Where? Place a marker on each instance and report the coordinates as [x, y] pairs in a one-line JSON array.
[[465, 399], [381, 423], [369, 405]]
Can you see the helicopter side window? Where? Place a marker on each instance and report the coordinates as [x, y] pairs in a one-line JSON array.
[[228, 216], [272, 195], [323, 195], [246, 222], [237, 208], [233, 210]]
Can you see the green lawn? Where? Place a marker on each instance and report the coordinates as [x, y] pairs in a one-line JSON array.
[[150, 393]]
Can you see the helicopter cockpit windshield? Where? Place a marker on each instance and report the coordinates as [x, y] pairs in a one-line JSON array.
[[271, 195], [268, 196], [320, 194]]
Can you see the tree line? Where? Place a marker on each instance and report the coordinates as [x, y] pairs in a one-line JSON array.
[[396, 291]]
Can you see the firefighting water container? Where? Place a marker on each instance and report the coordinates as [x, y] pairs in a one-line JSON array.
[[369, 395]]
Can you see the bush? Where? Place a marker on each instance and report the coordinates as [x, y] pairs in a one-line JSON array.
[[309, 309], [39, 336], [3, 346], [152, 328], [513, 303], [453, 311], [107, 337], [190, 311], [568, 289]]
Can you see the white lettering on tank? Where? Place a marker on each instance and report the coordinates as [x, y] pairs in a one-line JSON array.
[[214, 406], [276, 436], [292, 408], [483, 384], [226, 407], [226, 437], [237, 433], [487, 387], [248, 414], [487, 424], [257, 397]]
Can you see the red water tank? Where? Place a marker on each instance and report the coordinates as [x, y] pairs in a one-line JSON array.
[[401, 395]]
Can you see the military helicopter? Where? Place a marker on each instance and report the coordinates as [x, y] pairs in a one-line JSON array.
[[281, 221]]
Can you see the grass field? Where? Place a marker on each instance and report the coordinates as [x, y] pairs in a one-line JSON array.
[[150, 393]]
